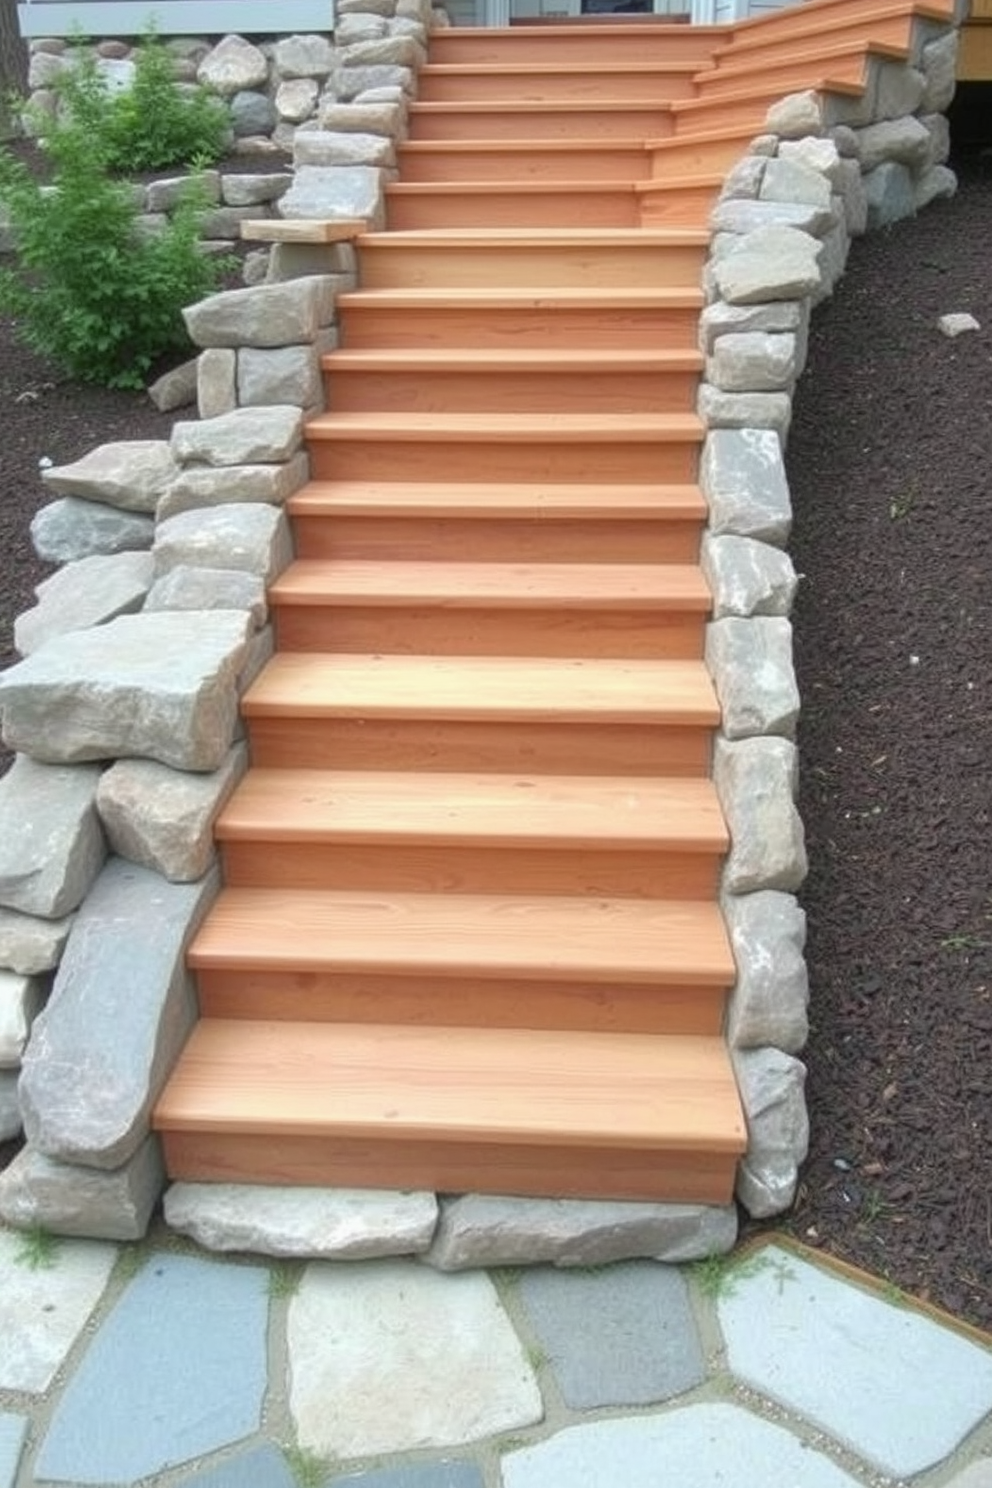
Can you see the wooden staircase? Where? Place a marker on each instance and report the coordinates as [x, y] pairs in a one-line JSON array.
[[469, 937]]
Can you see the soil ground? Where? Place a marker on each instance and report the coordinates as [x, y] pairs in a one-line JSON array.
[[890, 463]]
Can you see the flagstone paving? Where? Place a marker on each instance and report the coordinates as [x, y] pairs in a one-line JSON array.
[[161, 1367]]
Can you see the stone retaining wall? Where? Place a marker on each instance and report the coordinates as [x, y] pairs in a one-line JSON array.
[[105, 872]]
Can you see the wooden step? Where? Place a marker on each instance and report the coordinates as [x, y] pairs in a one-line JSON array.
[[473, 834], [507, 960], [498, 523], [683, 202], [429, 205], [747, 107], [464, 380], [457, 714], [699, 152], [560, 120], [508, 318], [565, 45], [491, 609], [582, 160], [603, 81], [799, 69], [455, 1110], [813, 14], [889, 21], [521, 259], [506, 447]]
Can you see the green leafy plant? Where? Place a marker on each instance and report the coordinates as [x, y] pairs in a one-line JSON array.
[[89, 289], [38, 1250]]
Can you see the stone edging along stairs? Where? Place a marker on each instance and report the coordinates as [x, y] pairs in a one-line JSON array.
[[532, 661]]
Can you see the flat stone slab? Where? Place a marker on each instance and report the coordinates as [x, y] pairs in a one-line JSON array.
[[88, 592], [347, 1224], [439, 1349], [889, 1383], [44, 1310], [177, 1370], [262, 1467], [417, 1475], [700, 1446], [624, 1336], [30, 944], [51, 844], [13, 1430]]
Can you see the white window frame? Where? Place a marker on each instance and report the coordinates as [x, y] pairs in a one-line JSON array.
[[173, 17]]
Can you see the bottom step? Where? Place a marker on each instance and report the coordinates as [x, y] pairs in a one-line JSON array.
[[505, 1111]]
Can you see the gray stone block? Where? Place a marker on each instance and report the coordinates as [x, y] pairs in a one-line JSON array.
[[936, 184], [756, 783], [30, 944], [336, 1224], [185, 588], [286, 374], [232, 66], [163, 819], [72, 528], [753, 362], [285, 314], [742, 474], [206, 485], [899, 89], [130, 475], [770, 998], [721, 319], [891, 195], [252, 538], [792, 180], [246, 436], [336, 192], [251, 113], [254, 190], [88, 592], [939, 65], [304, 56], [165, 194], [905, 140], [11, 1124], [216, 390], [481, 1230], [296, 100], [773, 262], [363, 118], [747, 577], [740, 216], [352, 83], [796, 115], [175, 389], [323, 147], [851, 189], [772, 1086], [755, 411], [51, 845], [21, 999], [750, 661], [120, 1011], [388, 51], [69, 1200]]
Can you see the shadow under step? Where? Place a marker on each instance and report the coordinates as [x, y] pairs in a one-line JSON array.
[[474, 834], [487, 522], [491, 609], [470, 380], [454, 713], [505, 1111], [570, 447]]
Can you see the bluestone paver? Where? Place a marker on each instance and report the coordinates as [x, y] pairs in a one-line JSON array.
[[975, 1475], [260, 1467], [890, 1383], [416, 1475], [694, 1446], [44, 1309], [177, 1370], [13, 1430], [621, 1336], [388, 1356]]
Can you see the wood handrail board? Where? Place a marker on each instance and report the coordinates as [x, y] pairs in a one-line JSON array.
[[453, 1084], [496, 810], [484, 688], [453, 586], [486, 501]]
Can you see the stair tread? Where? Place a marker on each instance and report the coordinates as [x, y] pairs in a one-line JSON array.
[[495, 188], [388, 583], [529, 299], [455, 1085], [759, 94], [491, 499], [519, 428], [501, 147], [672, 65], [540, 237], [748, 38], [497, 810], [539, 938], [483, 688], [582, 360], [818, 57]]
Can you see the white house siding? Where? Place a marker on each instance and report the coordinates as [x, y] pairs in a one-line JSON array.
[[173, 17]]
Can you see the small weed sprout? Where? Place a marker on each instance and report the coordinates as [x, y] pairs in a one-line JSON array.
[[38, 1250]]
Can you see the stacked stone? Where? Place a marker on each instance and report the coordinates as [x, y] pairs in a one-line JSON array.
[[827, 170]]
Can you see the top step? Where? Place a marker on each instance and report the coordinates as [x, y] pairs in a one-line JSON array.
[[561, 45], [808, 19]]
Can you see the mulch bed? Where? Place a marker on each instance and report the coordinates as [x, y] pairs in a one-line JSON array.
[[890, 462]]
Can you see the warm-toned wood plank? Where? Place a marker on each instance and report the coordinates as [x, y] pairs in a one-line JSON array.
[[498, 936], [746, 107], [684, 203], [456, 1085], [700, 151], [485, 689], [846, 63], [465, 1002], [295, 742], [559, 120], [303, 230], [683, 1178], [481, 428], [503, 204], [807, 20], [518, 160], [887, 22], [570, 43], [497, 810], [482, 500], [602, 81]]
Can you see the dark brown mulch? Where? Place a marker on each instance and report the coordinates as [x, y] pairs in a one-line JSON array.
[[891, 469]]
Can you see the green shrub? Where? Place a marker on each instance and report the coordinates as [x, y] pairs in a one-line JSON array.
[[88, 289]]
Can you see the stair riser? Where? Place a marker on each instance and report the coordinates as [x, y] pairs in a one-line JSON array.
[[650, 85], [718, 113], [499, 208], [330, 1160], [306, 996], [489, 328], [426, 631], [562, 749], [896, 31], [676, 157], [648, 266], [787, 77], [579, 390], [646, 121], [689, 206], [495, 541], [795, 22], [414, 460], [558, 46], [526, 164]]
